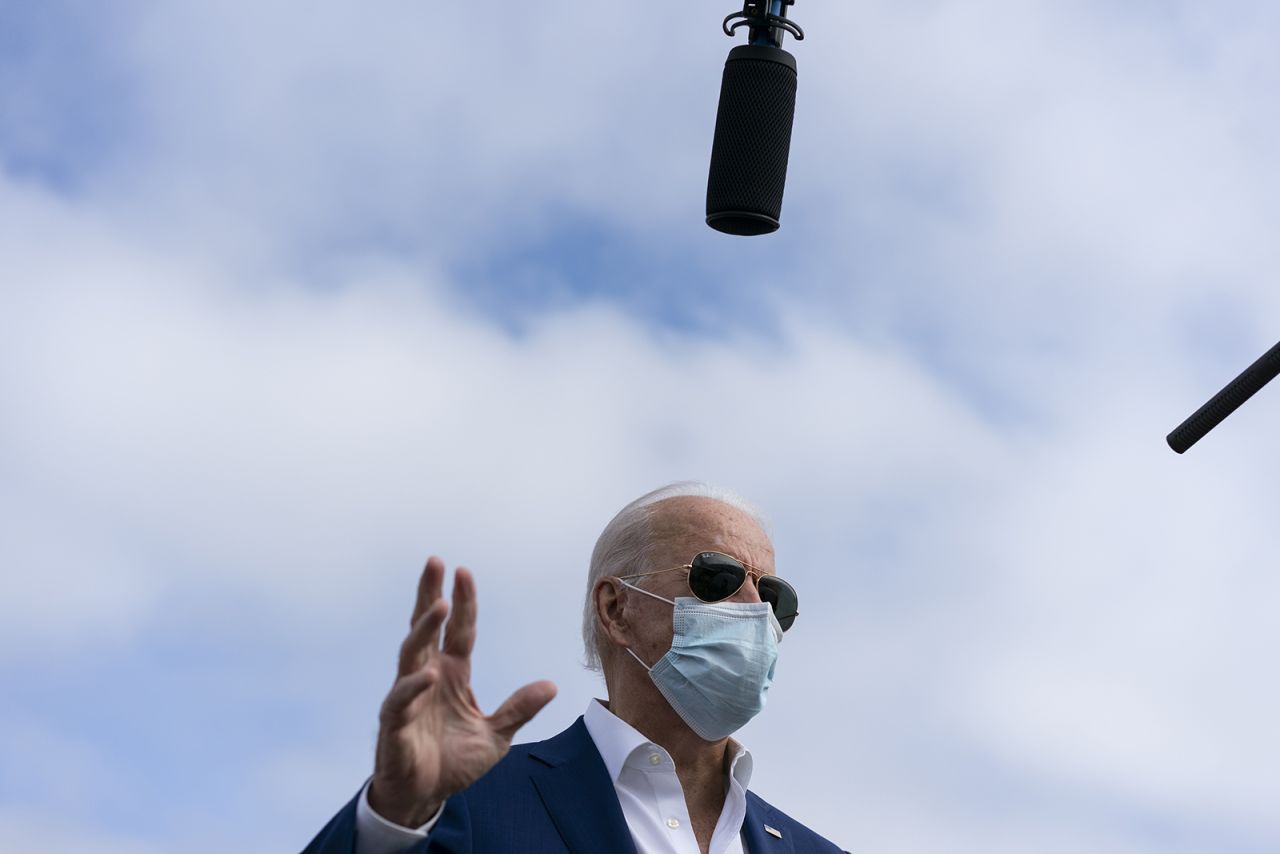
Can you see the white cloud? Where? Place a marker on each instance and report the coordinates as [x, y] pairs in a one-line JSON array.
[[28, 831]]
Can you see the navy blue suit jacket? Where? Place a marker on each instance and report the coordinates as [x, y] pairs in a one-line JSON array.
[[552, 797]]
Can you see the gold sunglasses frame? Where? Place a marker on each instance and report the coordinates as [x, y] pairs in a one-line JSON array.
[[751, 572]]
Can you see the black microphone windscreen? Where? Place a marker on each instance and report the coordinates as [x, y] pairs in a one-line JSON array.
[[752, 140], [1227, 401]]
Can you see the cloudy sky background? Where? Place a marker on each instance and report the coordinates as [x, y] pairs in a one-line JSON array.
[[294, 295]]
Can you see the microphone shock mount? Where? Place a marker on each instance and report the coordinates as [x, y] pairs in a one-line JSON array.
[[767, 20]]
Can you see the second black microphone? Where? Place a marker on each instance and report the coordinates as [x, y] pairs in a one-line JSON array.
[[752, 140]]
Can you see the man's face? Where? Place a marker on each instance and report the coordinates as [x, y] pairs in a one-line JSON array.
[[683, 527]]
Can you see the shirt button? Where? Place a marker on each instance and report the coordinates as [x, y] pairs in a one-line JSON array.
[[673, 823], [655, 759]]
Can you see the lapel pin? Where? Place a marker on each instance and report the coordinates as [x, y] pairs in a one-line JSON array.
[[773, 831]]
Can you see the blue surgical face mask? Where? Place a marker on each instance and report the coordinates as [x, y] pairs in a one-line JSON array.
[[717, 673]]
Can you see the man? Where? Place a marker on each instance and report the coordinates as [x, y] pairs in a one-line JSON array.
[[683, 615]]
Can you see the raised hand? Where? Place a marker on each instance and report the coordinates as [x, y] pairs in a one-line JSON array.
[[433, 740]]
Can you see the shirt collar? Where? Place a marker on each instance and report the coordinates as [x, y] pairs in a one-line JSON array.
[[616, 740]]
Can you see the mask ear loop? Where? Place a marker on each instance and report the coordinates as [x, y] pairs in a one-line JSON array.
[[637, 658], [646, 592], [655, 596]]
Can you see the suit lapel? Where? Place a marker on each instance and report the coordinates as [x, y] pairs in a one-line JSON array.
[[578, 794], [756, 839]]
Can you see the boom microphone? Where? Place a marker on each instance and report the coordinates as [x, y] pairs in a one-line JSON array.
[[1225, 402], [753, 123]]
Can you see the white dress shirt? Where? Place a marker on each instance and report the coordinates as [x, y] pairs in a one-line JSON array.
[[650, 794], [648, 789]]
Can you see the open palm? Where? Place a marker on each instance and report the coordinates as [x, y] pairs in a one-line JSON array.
[[433, 740]]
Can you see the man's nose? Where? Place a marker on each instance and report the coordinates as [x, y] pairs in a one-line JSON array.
[[749, 592]]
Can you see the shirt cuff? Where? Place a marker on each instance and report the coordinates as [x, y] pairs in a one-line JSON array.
[[377, 835]]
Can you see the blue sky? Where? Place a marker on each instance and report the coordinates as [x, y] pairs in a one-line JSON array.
[[290, 299]]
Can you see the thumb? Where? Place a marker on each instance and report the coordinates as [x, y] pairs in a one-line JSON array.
[[520, 708]]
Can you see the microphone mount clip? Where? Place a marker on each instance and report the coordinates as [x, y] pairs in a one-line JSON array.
[[767, 20]]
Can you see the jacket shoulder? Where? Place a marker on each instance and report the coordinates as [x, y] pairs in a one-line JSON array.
[[540, 796], [804, 839], [511, 770]]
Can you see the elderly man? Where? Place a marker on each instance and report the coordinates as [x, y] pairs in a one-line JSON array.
[[684, 615]]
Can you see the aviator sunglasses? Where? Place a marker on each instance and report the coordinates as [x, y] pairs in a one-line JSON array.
[[714, 577]]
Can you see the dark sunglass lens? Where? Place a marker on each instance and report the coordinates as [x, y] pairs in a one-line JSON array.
[[713, 576], [781, 596]]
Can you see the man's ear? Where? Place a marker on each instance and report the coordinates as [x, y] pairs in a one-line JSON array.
[[609, 596]]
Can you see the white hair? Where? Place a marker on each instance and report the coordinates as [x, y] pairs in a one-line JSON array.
[[626, 546]]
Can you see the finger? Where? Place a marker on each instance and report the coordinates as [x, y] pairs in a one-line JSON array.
[[405, 691], [430, 585], [423, 637], [520, 708], [460, 633]]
